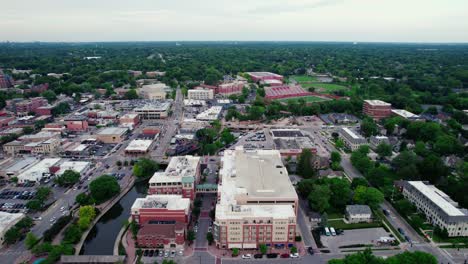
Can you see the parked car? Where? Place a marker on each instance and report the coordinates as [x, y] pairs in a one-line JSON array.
[[173, 253], [285, 255], [258, 256], [294, 255], [246, 256], [310, 250]]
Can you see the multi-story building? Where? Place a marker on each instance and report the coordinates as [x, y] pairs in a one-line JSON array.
[[375, 141], [180, 177], [257, 203], [231, 88], [210, 114], [200, 93], [262, 76], [377, 109], [22, 107], [5, 80], [351, 139], [76, 123], [48, 146], [439, 209], [162, 219], [130, 119], [154, 110], [155, 91]]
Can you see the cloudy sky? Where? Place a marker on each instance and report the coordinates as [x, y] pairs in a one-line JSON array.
[[308, 20]]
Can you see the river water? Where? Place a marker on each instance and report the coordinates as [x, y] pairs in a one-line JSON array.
[[100, 240]]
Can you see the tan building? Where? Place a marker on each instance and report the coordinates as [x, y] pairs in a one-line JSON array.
[[26, 147], [200, 93], [111, 135], [155, 91], [156, 110], [257, 203]]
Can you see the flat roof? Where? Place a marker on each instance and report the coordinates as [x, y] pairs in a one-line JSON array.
[[404, 113], [129, 115], [377, 102], [178, 168], [263, 74], [22, 164], [210, 114], [438, 197], [351, 133], [112, 131], [78, 166], [7, 220], [80, 147], [139, 145], [163, 201], [35, 172]]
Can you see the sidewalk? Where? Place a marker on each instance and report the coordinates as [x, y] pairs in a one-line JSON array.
[[227, 253]]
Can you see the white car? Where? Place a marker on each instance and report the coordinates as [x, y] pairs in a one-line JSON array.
[[52, 219], [62, 208], [246, 256], [294, 255], [209, 229]]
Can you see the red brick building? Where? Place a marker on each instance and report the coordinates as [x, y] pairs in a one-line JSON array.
[[231, 88], [44, 110], [5, 80], [285, 91], [262, 76], [76, 123], [22, 107], [130, 119], [377, 109], [162, 219]]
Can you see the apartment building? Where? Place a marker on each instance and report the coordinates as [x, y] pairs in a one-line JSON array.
[[257, 203], [377, 109], [180, 177], [200, 93], [351, 139], [439, 209]]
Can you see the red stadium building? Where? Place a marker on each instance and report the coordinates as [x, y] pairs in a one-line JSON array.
[[285, 91], [262, 76]]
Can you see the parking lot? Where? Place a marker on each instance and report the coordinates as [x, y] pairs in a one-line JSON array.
[[255, 140], [365, 236], [152, 255]]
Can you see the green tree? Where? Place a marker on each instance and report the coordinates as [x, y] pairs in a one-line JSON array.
[[190, 236], [368, 195], [49, 95], [293, 250], [384, 150], [339, 143], [31, 240], [319, 198], [340, 192], [304, 165], [263, 249], [335, 157], [359, 182], [12, 235], [369, 127], [235, 252], [446, 145], [103, 188], [87, 211], [69, 177], [209, 237], [34, 205], [28, 130], [145, 168], [72, 234], [84, 199], [131, 95]]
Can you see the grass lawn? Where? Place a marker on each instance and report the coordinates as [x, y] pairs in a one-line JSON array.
[[303, 78], [327, 87], [308, 99], [340, 224], [459, 240], [381, 216]]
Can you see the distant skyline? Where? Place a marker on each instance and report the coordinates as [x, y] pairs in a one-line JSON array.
[[241, 20]]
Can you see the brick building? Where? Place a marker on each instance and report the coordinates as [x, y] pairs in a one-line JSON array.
[[262, 76], [377, 109], [180, 177], [76, 123], [162, 219]]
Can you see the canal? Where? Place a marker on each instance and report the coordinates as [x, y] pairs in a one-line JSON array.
[[101, 238]]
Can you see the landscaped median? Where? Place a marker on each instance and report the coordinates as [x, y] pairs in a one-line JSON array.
[[340, 224]]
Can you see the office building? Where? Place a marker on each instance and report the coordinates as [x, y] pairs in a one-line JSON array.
[[257, 203], [154, 110], [377, 109]]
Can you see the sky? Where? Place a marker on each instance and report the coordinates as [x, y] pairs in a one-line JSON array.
[[241, 20]]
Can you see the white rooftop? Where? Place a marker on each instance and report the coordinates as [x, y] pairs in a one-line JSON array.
[[113, 131], [210, 114], [35, 172], [438, 197], [139, 145], [178, 167], [404, 113], [377, 102], [7, 220], [351, 133], [78, 166], [80, 147], [167, 201]]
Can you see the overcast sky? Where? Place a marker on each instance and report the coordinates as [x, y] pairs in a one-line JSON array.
[[161, 20]]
